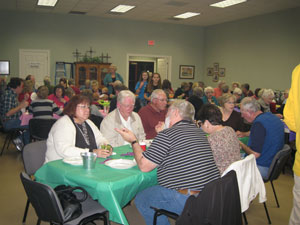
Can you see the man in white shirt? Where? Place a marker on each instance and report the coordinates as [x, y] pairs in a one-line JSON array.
[[122, 117]]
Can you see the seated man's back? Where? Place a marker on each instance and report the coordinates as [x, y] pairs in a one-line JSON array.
[[266, 134], [183, 156], [273, 138]]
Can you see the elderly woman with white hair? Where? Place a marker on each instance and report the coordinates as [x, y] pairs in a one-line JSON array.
[[265, 100], [209, 96], [266, 97], [122, 117]]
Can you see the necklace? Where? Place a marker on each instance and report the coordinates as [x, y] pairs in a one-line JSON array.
[[84, 132]]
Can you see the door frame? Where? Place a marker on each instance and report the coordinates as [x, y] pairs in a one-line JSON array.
[[169, 59], [35, 51]]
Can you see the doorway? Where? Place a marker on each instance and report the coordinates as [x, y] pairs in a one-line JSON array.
[[135, 70], [34, 62], [161, 64]]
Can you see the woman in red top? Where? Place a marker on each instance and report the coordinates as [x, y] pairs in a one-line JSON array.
[[27, 91], [59, 97]]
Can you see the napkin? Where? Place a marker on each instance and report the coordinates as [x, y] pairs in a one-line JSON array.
[[105, 160], [128, 154]]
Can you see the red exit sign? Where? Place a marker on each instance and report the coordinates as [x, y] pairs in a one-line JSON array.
[[151, 42]]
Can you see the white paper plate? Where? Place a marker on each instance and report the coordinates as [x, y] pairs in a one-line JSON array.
[[77, 161], [120, 163]]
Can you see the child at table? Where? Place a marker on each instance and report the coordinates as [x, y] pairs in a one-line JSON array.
[[104, 95], [42, 107]]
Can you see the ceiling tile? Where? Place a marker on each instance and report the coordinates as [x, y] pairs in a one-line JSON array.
[[159, 10]]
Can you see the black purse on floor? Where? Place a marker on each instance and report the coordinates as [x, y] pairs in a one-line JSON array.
[[70, 203]]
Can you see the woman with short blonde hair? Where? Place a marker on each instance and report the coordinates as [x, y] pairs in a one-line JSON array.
[[230, 117]]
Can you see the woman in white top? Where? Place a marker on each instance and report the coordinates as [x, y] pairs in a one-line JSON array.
[[74, 133]]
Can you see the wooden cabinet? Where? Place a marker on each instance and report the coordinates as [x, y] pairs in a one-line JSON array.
[[91, 71]]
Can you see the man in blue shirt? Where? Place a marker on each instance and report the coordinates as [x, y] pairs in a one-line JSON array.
[[266, 134]]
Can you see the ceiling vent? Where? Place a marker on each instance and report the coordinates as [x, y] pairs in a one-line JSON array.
[[176, 3], [77, 12]]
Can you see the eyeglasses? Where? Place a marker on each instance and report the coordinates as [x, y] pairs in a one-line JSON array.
[[84, 106], [127, 106], [162, 99]]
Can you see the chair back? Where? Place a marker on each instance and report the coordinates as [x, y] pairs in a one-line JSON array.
[[34, 156], [278, 163], [96, 120], [40, 128], [218, 203], [249, 180], [43, 199]]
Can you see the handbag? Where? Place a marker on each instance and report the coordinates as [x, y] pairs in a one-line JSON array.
[[70, 203]]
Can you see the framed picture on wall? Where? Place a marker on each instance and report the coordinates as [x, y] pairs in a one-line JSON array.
[[186, 72], [216, 77], [222, 72], [216, 67], [210, 71]]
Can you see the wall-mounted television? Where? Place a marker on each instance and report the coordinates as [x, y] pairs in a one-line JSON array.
[[4, 67]]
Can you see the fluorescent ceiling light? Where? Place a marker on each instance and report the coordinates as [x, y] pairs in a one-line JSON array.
[[122, 8], [47, 2], [227, 3], [186, 15]]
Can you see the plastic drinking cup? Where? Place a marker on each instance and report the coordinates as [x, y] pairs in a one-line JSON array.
[[143, 145]]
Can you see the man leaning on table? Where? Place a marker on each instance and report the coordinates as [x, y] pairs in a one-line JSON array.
[[122, 116], [266, 134], [183, 158]]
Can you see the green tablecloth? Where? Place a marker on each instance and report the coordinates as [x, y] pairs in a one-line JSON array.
[[245, 141], [113, 188]]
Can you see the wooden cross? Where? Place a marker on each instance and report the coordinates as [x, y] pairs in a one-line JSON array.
[[102, 57], [76, 54], [107, 57], [91, 52]]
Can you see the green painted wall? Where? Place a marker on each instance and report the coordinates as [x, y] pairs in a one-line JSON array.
[[62, 34], [262, 50]]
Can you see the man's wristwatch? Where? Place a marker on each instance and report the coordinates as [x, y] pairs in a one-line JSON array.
[[135, 141]]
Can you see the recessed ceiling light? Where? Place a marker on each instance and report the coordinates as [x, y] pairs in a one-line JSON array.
[[47, 2], [186, 15], [122, 8], [227, 3]]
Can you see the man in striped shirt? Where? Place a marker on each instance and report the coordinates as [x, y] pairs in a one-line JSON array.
[[183, 158]]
